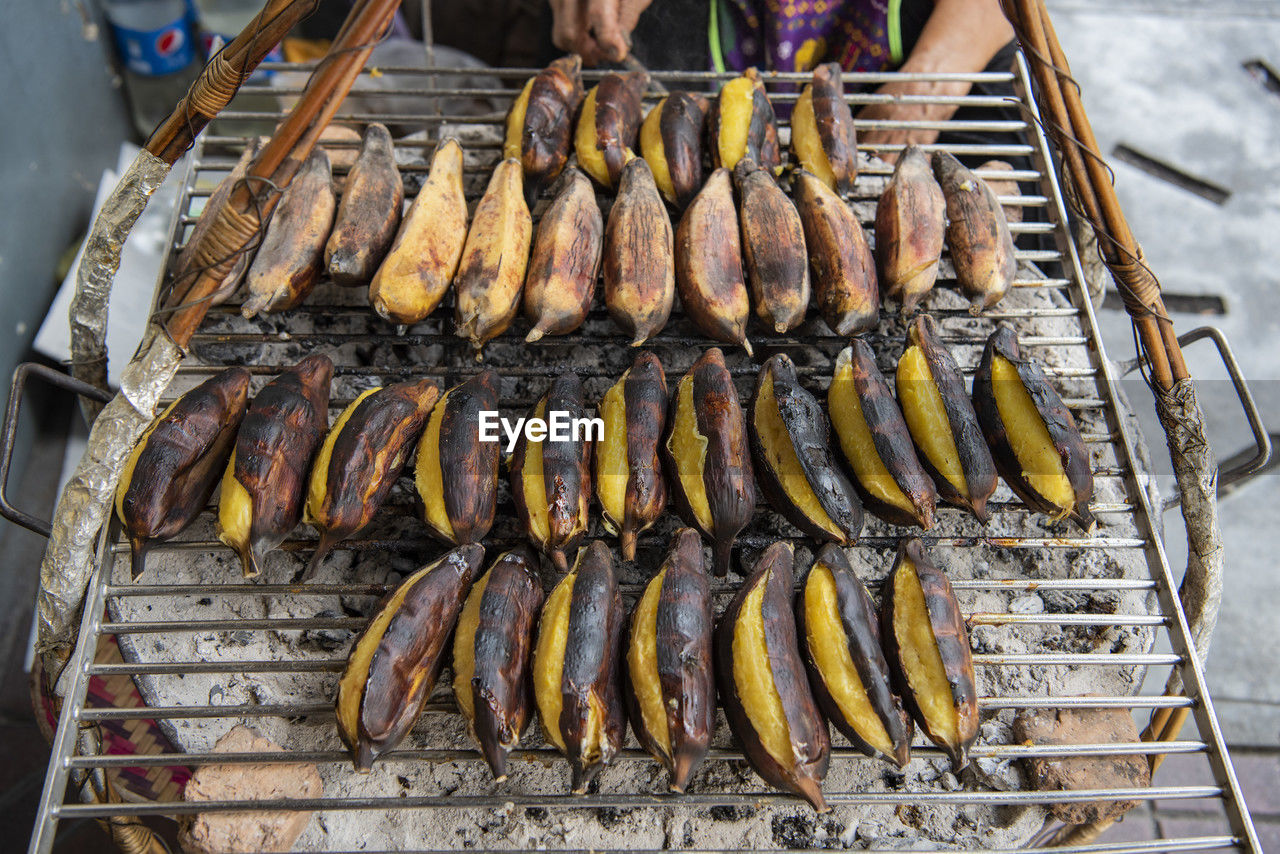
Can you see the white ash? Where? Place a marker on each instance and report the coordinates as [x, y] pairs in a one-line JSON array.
[[429, 348]]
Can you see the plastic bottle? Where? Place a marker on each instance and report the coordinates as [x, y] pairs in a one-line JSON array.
[[157, 51], [221, 21]]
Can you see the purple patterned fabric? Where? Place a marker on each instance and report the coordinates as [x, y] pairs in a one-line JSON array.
[[797, 35]]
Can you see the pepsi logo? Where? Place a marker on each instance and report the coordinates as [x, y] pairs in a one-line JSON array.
[[170, 41]]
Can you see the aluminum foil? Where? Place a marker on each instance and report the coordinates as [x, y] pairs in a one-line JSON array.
[[1197, 472], [87, 500], [98, 269]]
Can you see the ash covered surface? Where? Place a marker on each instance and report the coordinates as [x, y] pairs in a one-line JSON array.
[[337, 321]]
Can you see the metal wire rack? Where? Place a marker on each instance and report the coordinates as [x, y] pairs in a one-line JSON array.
[[1094, 636]]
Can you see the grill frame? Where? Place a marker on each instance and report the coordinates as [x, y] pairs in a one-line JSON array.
[[1122, 439]]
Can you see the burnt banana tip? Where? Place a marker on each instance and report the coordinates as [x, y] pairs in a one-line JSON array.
[[535, 334], [364, 758], [323, 548], [139, 549], [628, 543], [902, 754], [681, 773], [721, 554], [560, 560], [811, 791]]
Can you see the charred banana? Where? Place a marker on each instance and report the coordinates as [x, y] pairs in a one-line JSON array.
[[741, 123], [369, 213], [875, 441], [671, 142], [977, 234], [942, 422], [822, 136], [425, 255], [671, 694], [628, 473], [575, 666], [360, 459], [1034, 439], [491, 273], [456, 474], [291, 257], [551, 480], [910, 228], [851, 680], [763, 686], [609, 124], [265, 482], [492, 655], [395, 662], [172, 470], [793, 460], [773, 248], [541, 120], [708, 457], [844, 273], [709, 275], [566, 260], [928, 648], [639, 256]]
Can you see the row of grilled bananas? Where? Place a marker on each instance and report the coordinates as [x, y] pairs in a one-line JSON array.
[[782, 671], [278, 457]]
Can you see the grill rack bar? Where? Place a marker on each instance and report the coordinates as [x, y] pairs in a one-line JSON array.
[[1136, 508]]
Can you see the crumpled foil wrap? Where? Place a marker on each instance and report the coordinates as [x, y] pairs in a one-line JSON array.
[[87, 500], [1197, 472], [98, 269]]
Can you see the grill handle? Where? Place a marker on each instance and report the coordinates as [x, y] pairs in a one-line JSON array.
[[1261, 438], [12, 413]]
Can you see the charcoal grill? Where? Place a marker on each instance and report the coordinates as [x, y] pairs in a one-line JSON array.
[[1124, 562]]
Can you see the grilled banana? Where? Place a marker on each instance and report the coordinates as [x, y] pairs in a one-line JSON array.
[[910, 227], [977, 234], [541, 120], [822, 136], [793, 460], [551, 480], [671, 142], [608, 125], [639, 256], [762, 682], [1034, 439], [708, 458], [875, 442], [424, 257], [773, 248], [671, 694], [266, 478], [491, 273], [628, 474], [361, 458], [566, 260], [844, 273], [492, 652], [741, 124], [369, 212], [456, 474], [394, 664], [927, 647], [186, 271], [709, 275], [575, 666], [291, 257], [173, 469], [942, 422], [840, 632]]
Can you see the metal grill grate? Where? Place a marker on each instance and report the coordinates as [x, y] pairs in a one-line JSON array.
[[1120, 579]]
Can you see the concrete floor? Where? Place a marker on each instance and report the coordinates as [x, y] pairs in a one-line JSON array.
[[1164, 79]]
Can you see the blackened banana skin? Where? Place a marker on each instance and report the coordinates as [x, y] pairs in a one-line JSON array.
[[857, 618], [806, 741], [265, 484], [493, 675], [671, 694], [540, 130], [173, 469], [394, 664]]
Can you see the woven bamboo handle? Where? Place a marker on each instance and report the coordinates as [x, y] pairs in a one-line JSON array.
[[1174, 390]]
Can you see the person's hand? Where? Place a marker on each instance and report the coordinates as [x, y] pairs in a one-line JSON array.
[[909, 111], [598, 30]]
